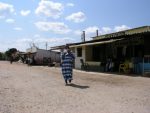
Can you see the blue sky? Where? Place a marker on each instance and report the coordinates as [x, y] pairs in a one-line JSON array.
[[24, 22]]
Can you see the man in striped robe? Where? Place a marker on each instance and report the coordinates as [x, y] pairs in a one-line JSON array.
[[67, 59]]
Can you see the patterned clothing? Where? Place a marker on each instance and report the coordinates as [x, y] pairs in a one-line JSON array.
[[67, 65]]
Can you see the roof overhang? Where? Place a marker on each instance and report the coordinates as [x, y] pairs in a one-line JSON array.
[[129, 32], [109, 38], [95, 43]]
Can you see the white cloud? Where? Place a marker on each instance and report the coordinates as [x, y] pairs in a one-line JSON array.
[[103, 30], [92, 29], [18, 28], [70, 4], [78, 32], [49, 9], [25, 12], [56, 27], [121, 28], [106, 30], [24, 40], [36, 36], [6, 9], [10, 20], [76, 17], [53, 40], [89, 32], [23, 44]]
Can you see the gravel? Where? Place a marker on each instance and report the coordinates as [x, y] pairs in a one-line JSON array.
[[39, 89]]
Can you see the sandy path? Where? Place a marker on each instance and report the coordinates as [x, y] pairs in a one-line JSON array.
[[40, 89]]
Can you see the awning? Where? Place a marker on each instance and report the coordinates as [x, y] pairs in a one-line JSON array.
[[96, 43]]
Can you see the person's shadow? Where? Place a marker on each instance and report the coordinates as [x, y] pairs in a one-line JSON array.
[[78, 86]]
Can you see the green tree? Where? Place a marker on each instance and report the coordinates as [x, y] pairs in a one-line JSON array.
[[2, 56], [9, 52]]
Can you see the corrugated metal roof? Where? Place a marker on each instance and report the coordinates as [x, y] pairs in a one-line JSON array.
[[96, 43], [138, 30], [108, 38]]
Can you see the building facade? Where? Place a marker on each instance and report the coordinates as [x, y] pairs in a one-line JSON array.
[[130, 46]]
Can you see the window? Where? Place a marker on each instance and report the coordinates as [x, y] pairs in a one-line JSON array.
[[79, 52]]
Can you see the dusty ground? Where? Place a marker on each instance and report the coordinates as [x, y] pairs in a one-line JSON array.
[[26, 89]]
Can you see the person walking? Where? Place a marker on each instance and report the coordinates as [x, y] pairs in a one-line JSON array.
[[11, 59], [67, 60]]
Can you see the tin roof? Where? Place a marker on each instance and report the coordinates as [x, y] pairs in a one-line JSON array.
[[108, 38], [139, 30], [96, 43]]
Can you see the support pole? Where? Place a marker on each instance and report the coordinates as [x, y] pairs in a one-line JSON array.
[[143, 67]]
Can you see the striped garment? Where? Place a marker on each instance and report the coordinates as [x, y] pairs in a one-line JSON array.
[[67, 65]]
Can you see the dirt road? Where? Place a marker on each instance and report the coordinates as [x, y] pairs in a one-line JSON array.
[[35, 89]]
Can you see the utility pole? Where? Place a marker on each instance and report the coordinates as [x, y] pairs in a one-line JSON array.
[[46, 45], [83, 36], [97, 33]]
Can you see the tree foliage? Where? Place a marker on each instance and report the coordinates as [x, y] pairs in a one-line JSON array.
[[2, 56], [11, 51]]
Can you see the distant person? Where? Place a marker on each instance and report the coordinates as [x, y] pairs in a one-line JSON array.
[[67, 59], [109, 65], [30, 61], [11, 59]]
